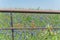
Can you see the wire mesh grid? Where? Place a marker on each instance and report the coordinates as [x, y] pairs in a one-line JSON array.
[[23, 20]]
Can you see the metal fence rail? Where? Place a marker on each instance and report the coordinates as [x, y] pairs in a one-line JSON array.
[[17, 28], [29, 11]]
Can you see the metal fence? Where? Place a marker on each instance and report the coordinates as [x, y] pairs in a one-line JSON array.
[[26, 25]]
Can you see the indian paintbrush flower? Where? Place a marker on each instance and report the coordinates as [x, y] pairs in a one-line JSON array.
[[33, 24]]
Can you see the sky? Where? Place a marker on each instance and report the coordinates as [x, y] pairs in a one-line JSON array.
[[42, 4]]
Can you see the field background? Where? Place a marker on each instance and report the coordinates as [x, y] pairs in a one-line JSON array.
[[28, 20]]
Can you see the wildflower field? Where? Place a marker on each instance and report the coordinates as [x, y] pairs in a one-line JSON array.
[[28, 20]]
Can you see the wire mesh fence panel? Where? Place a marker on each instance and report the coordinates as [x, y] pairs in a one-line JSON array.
[[4, 20], [5, 35], [35, 20], [29, 20], [36, 35], [25, 35], [25, 20]]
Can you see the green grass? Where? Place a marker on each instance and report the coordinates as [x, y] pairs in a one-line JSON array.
[[40, 20]]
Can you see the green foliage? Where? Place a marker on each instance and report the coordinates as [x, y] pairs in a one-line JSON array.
[[40, 20], [37, 35]]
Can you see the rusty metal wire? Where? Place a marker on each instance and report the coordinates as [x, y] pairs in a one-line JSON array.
[[37, 28]]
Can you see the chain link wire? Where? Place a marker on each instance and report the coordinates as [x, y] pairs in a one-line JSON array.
[[28, 20]]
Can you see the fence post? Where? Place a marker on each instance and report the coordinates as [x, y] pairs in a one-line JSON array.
[[12, 25]]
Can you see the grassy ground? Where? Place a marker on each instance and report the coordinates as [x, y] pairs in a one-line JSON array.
[[29, 20]]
